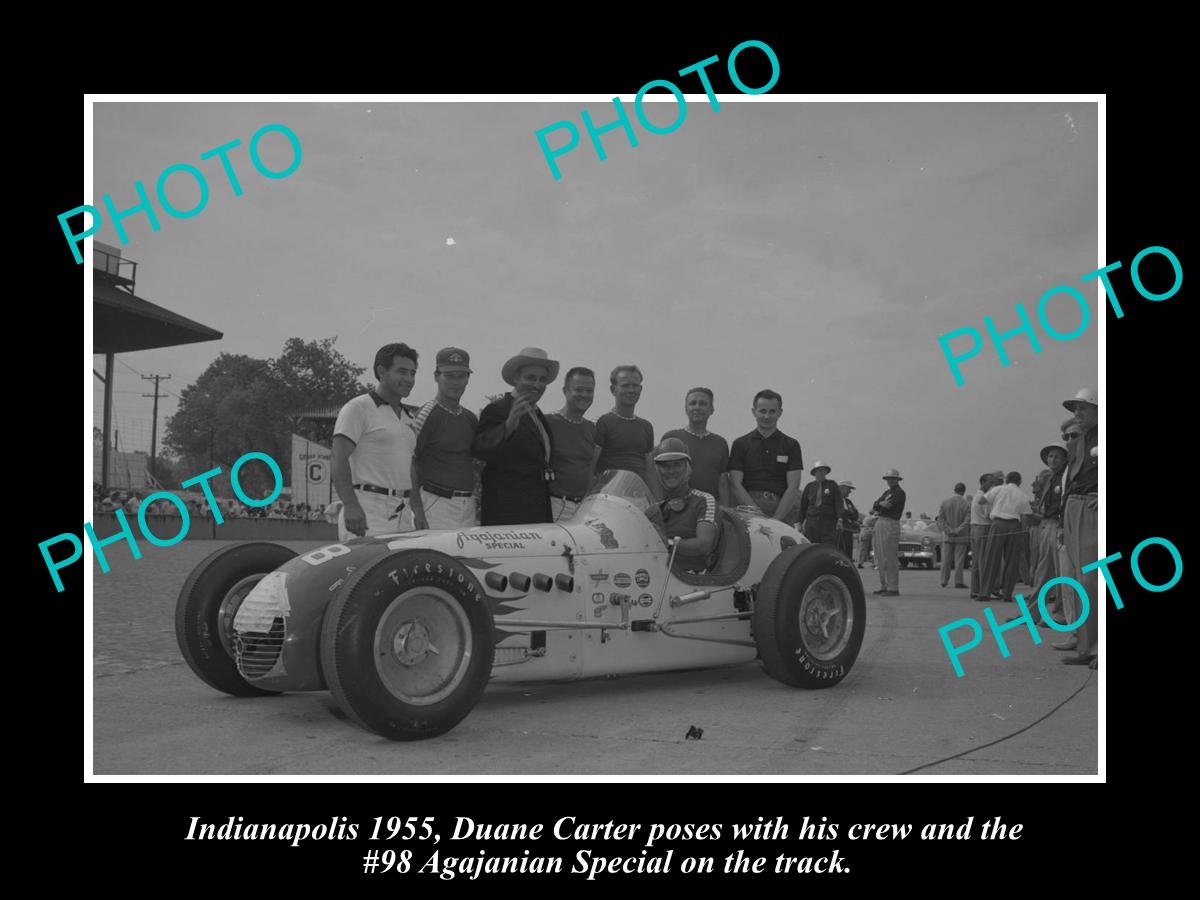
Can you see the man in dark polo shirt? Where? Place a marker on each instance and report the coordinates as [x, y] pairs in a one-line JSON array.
[[442, 465], [765, 466], [889, 508], [574, 444], [821, 507], [687, 514], [1081, 500], [623, 440], [710, 452]]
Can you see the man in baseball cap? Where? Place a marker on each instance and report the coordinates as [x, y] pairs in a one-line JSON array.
[[442, 465], [687, 514]]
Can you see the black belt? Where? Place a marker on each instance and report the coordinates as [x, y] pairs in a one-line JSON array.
[[375, 489], [438, 491], [829, 516], [565, 497]]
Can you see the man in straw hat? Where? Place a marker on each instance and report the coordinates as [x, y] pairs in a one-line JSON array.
[[687, 514], [850, 523], [514, 440], [1048, 509], [1081, 499], [821, 506], [889, 508]]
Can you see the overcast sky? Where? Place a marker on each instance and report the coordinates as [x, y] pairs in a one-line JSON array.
[[818, 249]]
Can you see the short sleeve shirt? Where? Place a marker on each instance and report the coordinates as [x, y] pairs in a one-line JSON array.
[[979, 509], [383, 441], [697, 507], [443, 446], [623, 443], [710, 457], [574, 449], [1008, 502], [765, 461]]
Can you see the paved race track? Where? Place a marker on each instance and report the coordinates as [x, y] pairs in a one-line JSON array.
[[899, 709]]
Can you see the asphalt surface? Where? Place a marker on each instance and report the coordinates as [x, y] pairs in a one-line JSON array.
[[900, 708]]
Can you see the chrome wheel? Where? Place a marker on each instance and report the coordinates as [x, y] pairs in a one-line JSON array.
[[228, 609], [826, 617], [423, 646]]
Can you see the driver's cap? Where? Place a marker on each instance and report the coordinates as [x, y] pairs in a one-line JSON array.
[[670, 449]]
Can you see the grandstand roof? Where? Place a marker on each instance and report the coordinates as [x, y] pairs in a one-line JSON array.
[[123, 322]]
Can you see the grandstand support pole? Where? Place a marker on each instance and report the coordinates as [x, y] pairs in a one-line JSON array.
[[105, 458], [154, 422]]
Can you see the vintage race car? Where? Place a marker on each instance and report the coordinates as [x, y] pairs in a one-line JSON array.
[[406, 629]]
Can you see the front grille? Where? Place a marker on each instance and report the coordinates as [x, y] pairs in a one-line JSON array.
[[258, 652], [910, 548]]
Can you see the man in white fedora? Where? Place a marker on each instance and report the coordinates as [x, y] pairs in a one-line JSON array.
[[514, 440], [821, 506], [889, 508], [1081, 501]]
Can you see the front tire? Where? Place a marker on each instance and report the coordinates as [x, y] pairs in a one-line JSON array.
[[207, 605], [809, 617], [407, 645]]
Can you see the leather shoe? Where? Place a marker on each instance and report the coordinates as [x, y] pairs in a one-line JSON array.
[[889, 593], [1079, 660], [963, 586], [1066, 645], [880, 591]]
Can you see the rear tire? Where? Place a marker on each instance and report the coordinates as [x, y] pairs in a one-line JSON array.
[[407, 645], [809, 617], [207, 604]]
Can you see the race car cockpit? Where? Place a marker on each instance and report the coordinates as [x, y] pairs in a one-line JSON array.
[[731, 554]]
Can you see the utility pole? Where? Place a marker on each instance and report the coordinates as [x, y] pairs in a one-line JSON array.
[[154, 421]]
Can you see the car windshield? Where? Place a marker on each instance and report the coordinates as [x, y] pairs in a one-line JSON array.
[[621, 483], [628, 486]]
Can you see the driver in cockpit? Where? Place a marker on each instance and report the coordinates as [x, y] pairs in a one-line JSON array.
[[687, 513]]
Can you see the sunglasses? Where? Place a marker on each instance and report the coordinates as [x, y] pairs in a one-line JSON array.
[[1070, 435]]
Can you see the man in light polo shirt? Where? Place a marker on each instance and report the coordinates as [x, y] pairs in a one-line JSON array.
[[765, 466], [574, 440], [442, 465], [372, 448], [710, 452]]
